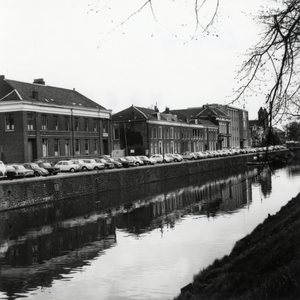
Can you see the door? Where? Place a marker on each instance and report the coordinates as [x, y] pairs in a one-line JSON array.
[[30, 150]]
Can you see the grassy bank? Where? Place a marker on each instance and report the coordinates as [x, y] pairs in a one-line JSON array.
[[263, 265]]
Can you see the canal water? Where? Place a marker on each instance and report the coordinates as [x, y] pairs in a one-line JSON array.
[[142, 243]]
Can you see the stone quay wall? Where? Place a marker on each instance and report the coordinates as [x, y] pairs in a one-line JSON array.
[[40, 190]]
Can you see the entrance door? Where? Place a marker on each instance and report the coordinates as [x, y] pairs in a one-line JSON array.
[[30, 150]]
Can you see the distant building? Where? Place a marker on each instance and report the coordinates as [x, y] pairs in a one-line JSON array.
[[144, 131], [237, 133], [258, 128], [39, 121], [232, 123]]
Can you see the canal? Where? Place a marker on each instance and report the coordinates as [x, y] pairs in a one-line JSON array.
[[142, 243]]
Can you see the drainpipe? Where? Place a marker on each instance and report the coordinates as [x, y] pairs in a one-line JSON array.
[[72, 133]]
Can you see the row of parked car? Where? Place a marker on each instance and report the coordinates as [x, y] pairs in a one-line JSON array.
[[43, 168]]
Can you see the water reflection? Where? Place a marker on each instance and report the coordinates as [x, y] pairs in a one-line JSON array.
[[54, 241]]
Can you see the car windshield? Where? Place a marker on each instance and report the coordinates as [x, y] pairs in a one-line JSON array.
[[47, 165], [34, 166]]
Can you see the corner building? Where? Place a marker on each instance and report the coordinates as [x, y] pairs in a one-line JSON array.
[[44, 122]]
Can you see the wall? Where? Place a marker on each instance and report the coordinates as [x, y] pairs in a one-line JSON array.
[[31, 191]]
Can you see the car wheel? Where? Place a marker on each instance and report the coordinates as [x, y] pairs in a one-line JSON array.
[[72, 170], [84, 168], [36, 174], [96, 168]]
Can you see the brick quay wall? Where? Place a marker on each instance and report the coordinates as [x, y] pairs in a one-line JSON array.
[[40, 190]]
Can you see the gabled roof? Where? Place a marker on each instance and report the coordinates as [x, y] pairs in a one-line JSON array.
[[12, 90], [212, 111], [133, 113], [188, 113]]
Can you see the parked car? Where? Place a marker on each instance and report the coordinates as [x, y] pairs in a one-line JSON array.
[[18, 170], [125, 163], [177, 157], [116, 163], [136, 161], [201, 155], [83, 165], [132, 158], [37, 170], [10, 172], [147, 160], [168, 158], [67, 166], [188, 155], [140, 161], [95, 164], [2, 169], [158, 157], [46, 165], [106, 163]]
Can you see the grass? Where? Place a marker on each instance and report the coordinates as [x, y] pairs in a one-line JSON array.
[[263, 265]]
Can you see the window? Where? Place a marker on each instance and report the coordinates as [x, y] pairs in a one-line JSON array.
[[86, 147], [67, 123], [56, 148], [167, 133], [44, 122], [159, 133], [55, 119], [155, 133], [77, 147], [104, 126], [116, 133], [95, 147], [172, 132], [45, 147], [76, 124], [95, 125], [160, 145], [86, 124], [67, 148], [9, 122], [30, 122]]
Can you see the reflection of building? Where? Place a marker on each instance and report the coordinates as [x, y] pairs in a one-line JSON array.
[[40, 121], [208, 199]]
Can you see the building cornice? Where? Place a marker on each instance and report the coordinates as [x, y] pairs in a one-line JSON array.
[[14, 106]]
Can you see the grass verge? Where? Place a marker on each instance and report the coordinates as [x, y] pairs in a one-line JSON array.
[[263, 265]]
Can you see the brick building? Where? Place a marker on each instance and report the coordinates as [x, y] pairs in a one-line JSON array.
[[139, 131], [39, 121]]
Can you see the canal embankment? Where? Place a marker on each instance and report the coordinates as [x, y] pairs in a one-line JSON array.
[[263, 265], [32, 191]]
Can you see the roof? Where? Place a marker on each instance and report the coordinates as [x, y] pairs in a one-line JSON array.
[[213, 111], [141, 113], [12, 90], [188, 113]]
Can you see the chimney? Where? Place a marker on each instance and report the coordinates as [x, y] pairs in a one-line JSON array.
[[39, 81], [167, 110]]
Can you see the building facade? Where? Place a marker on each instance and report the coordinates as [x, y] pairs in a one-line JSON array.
[[44, 122], [238, 127], [143, 131]]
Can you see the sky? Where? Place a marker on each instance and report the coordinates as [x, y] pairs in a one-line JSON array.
[[118, 58]]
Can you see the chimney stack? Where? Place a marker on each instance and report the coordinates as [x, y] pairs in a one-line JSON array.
[[39, 81]]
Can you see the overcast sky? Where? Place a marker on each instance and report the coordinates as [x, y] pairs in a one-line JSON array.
[[149, 60]]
